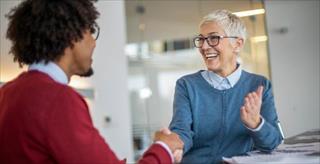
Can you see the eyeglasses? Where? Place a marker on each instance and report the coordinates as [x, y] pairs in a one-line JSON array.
[[95, 31], [212, 40]]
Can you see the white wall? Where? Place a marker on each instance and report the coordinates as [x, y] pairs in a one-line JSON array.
[[294, 59]]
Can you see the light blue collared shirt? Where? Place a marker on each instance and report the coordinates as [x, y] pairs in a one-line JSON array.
[[51, 69], [223, 83]]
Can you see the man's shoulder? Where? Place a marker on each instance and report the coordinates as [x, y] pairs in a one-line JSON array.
[[38, 94], [40, 85], [42, 82], [46, 84]]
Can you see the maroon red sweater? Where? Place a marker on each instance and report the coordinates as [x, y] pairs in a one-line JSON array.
[[42, 121]]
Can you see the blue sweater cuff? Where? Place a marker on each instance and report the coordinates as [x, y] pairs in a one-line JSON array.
[[257, 128]]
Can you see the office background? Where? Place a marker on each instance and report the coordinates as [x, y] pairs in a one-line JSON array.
[[145, 46]]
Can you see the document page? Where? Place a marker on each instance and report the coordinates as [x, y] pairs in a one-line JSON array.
[[298, 150]]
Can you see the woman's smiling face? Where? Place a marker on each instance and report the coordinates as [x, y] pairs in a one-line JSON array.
[[221, 58]]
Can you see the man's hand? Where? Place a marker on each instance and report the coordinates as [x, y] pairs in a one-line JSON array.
[[175, 143], [178, 155], [250, 111]]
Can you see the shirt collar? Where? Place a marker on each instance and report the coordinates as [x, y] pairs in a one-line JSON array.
[[51, 69], [232, 79]]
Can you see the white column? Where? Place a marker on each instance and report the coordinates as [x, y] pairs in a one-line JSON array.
[[110, 80]]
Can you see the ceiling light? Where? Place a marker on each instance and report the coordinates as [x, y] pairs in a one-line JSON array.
[[249, 12], [257, 39]]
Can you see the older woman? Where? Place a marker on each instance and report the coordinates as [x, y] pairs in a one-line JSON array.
[[223, 111]]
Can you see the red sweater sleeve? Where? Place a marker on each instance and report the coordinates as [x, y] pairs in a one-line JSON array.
[[156, 154], [70, 133]]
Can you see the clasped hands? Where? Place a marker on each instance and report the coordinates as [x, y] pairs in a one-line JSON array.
[[172, 140], [250, 111]]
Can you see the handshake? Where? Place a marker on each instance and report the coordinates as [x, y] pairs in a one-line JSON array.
[[172, 140]]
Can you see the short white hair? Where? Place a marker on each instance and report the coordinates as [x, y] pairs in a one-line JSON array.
[[232, 24]]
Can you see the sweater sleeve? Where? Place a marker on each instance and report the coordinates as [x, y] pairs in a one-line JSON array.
[[156, 154], [182, 116], [71, 136], [269, 136]]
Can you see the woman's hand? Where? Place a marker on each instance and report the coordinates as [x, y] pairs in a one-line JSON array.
[[250, 111]]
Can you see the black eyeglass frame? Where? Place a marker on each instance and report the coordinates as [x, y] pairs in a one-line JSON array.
[[219, 37], [95, 29]]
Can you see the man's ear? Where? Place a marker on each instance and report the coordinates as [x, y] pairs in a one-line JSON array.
[[238, 45]]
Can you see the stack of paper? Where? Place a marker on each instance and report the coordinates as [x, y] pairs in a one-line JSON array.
[[285, 153]]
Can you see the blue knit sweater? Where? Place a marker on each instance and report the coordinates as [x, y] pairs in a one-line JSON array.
[[208, 120]]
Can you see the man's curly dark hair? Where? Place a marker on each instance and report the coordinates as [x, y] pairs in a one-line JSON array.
[[42, 29]]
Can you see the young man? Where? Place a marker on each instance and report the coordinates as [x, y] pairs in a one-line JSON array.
[[42, 119]]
